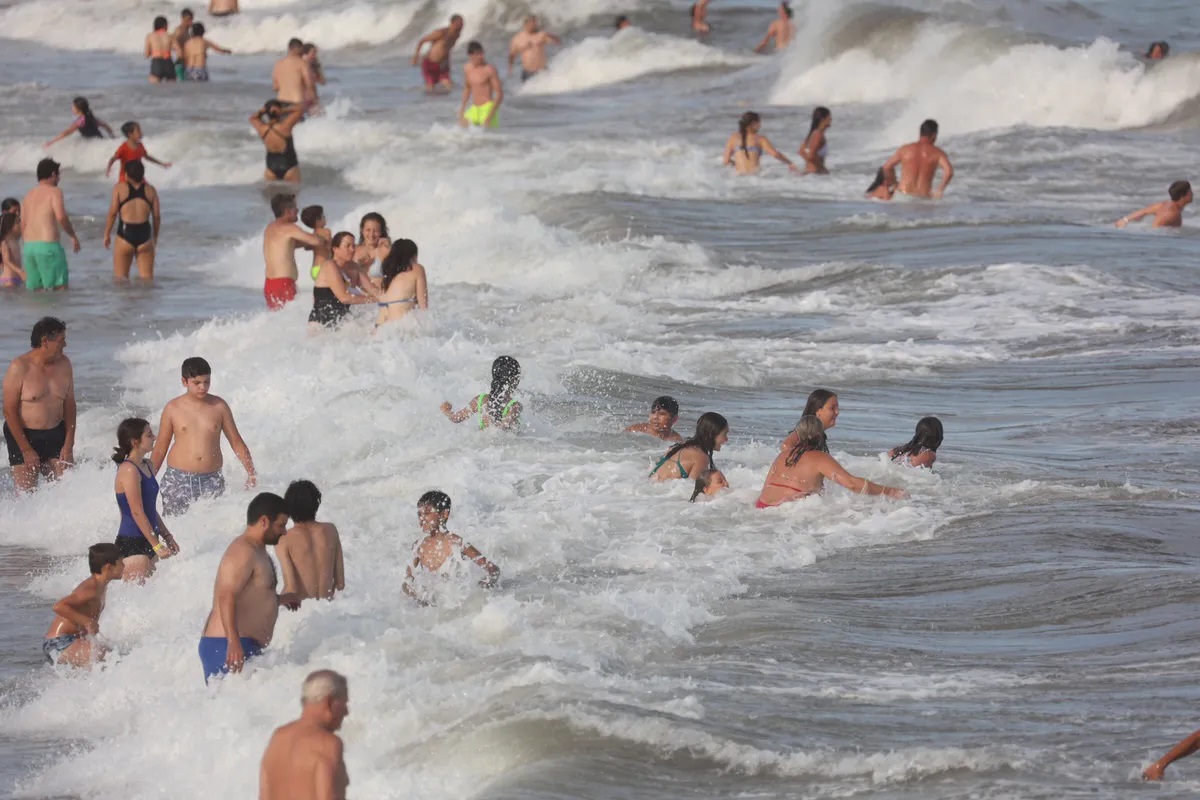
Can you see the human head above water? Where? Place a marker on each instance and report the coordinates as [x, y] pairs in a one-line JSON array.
[[372, 225], [822, 404], [807, 436], [1158, 50], [506, 375], [456, 22], [129, 433], [433, 509], [160, 23], [710, 481], [748, 121], [44, 329], [186, 15], [135, 171], [820, 114], [311, 215], [198, 29], [1180, 190], [105, 555], [283, 204], [399, 259], [47, 168], [129, 129], [929, 130], [269, 513], [667, 404], [303, 498], [82, 106], [195, 367], [622, 22], [295, 46], [475, 49]]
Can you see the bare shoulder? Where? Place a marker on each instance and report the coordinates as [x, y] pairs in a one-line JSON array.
[[329, 528], [217, 403], [18, 367]]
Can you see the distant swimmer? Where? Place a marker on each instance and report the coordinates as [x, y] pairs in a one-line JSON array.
[[1185, 748], [801, 469], [291, 77], [699, 15], [404, 283], [12, 274], [77, 616], [143, 538], [87, 123], [159, 48], [195, 54], [43, 216], [180, 35], [39, 407], [921, 450], [189, 441], [664, 413], [374, 240], [441, 555], [744, 149], [622, 23], [304, 759], [280, 240], [131, 149], [710, 482], [1168, 213], [919, 163], [781, 29], [496, 407], [316, 76], [135, 210], [245, 604], [1158, 51], [530, 46], [222, 8], [435, 67], [695, 455], [815, 146], [331, 287], [274, 123], [310, 556], [482, 87]]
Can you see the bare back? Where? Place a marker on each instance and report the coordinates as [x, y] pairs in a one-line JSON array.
[[311, 559], [303, 762], [919, 164], [291, 80], [40, 211]]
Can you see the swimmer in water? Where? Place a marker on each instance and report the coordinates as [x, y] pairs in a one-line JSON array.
[[374, 241], [664, 413], [483, 89], [310, 556], [919, 163], [822, 404], [87, 123], [699, 15], [1168, 213], [781, 29], [77, 616], [1158, 51], [12, 275], [143, 538], [815, 146], [441, 553], [159, 48], [921, 450], [131, 149], [744, 149], [404, 285], [1185, 748], [883, 187], [530, 46], [331, 295], [313, 218], [274, 124], [622, 23], [135, 211], [435, 68], [496, 407], [710, 482], [695, 455], [801, 470], [195, 54], [180, 35]]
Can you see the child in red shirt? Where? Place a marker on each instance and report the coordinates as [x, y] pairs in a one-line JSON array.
[[131, 150]]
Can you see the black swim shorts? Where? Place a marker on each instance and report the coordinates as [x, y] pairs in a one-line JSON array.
[[47, 444]]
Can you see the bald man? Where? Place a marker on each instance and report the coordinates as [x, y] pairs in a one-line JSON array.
[[304, 760]]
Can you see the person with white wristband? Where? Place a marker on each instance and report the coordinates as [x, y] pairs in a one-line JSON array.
[[143, 537]]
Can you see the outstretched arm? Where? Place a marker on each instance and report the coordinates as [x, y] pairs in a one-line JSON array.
[[459, 416], [74, 126], [1191, 744], [766, 40], [1135, 216], [493, 572], [831, 469], [770, 149]]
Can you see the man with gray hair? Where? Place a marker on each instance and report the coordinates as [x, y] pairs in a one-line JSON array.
[[303, 760]]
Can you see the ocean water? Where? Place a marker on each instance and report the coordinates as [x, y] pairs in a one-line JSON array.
[[1020, 628]]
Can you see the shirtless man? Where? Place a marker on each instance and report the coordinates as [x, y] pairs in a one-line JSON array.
[[280, 240], [195, 54], [435, 69], [158, 48], [245, 605], [291, 77], [664, 413], [222, 8], [43, 211], [181, 34], [700, 17], [530, 44], [481, 85], [196, 420], [439, 548], [919, 164], [303, 760], [39, 407], [316, 75], [311, 555], [77, 616], [1168, 213], [781, 30]]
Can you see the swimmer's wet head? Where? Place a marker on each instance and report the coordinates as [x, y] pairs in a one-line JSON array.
[[433, 511], [283, 205], [272, 111], [749, 123], [820, 116], [313, 216], [928, 436], [400, 259], [709, 482], [506, 377], [808, 435]]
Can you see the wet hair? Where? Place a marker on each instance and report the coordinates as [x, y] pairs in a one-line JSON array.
[[45, 328], [880, 180], [160, 23], [1179, 190], [816, 401], [927, 437], [308, 48], [339, 237], [198, 29], [187, 12], [373, 216], [47, 168], [1164, 49], [267, 505], [323, 684], [929, 128], [128, 432], [10, 219], [621, 20], [787, 9], [810, 437], [273, 109], [473, 48], [103, 555], [303, 498], [456, 18], [293, 43], [702, 482], [819, 115], [748, 119], [128, 128], [506, 374], [281, 203], [399, 259], [708, 428], [85, 109], [438, 501], [667, 404], [135, 170], [311, 214], [195, 367]]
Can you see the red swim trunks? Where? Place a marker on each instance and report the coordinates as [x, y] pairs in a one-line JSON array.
[[279, 292], [435, 72]]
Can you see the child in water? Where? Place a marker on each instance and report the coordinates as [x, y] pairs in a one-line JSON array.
[[496, 407], [921, 450], [11, 273], [441, 554], [77, 616], [131, 149], [710, 482]]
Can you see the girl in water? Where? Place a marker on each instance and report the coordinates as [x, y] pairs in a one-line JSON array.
[[374, 242], [143, 537], [921, 450], [801, 470], [87, 123], [693, 456], [331, 297], [744, 149], [710, 482], [822, 404], [496, 407], [403, 283], [815, 147], [11, 273]]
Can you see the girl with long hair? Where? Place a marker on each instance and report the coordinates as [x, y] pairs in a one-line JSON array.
[[496, 407], [143, 538], [12, 275], [695, 455], [744, 149], [815, 146], [921, 450], [404, 286], [87, 123]]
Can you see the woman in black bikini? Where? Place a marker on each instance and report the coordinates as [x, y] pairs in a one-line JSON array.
[[135, 211], [274, 123]]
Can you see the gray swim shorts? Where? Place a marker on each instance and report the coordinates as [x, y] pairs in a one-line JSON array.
[[180, 489]]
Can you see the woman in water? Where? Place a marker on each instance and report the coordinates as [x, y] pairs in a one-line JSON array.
[[403, 282], [710, 482], [374, 241], [87, 123], [801, 470], [496, 407], [143, 537], [822, 404], [921, 450], [11, 273], [135, 211], [815, 147], [695, 455], [274, 123], [331, 297], [745, 148]]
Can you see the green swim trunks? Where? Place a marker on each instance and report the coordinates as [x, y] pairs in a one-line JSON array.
[[477, 115], [45, 265]]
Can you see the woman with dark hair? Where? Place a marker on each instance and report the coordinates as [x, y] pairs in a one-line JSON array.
[[403, 282], [496, 406], [710, 482], [744, 149], [143, 537], [274, 124], [12, 275], [695, 455], [801, 469], [331, 296], [822, 404], [374, 241], [921, 450], [87, 123], [815, 147]]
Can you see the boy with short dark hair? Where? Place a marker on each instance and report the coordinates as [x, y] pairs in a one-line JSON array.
[[1168, 213], [77, 615], [132, 149], [664, 413], [310, 556], [441, 553]]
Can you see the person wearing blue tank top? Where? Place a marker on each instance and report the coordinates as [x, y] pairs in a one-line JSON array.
[[143, 537], [496, 406]]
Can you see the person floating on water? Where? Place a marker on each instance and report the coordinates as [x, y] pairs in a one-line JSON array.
[[435, 68], [664, 413], [482, 87], [303, 759], [919, 163], [815, 146], [1168, 213], [744, 149], [441, 554], [710, 482], [12, 274], [781, 29], [44, 219], [404, 283], [39, 407], [280, 240], [310, 556], [695, 455], [143, 538], [530, 46], [497, 406], [87, 123], [195, 54], [159, 48], [1158, 51], [131, 149], [138, 226], [77, 616], [921, 450], [699, 17]]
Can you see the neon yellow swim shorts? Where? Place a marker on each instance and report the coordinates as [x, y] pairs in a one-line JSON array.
[[477, 115]]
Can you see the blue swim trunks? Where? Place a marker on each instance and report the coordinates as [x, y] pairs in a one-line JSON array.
[[214, 649], [53, 648]]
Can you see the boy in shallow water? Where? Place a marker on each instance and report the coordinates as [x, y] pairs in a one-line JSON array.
[[77, 616], [664, 413], [1168, 213], [441, 554]]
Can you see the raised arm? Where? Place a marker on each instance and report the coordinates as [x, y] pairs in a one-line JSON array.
[[830, 468], [459, 416], [229, 427], [1191, 744]]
